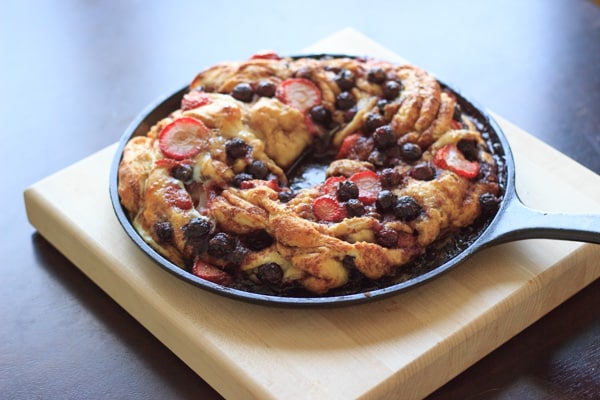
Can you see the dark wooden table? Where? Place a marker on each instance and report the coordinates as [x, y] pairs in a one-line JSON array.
[[74, 74]]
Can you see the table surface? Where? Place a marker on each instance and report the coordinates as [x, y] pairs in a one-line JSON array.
[[74, 74]]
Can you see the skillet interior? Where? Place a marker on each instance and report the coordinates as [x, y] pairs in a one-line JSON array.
[[439, 257]]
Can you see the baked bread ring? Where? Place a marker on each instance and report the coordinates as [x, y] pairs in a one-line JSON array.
[[283, 174]]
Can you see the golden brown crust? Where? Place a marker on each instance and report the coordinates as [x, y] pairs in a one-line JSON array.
[[310, 251]]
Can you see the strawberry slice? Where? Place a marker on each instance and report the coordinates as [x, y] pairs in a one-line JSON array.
[[451, 158], [347, 145], [194, 99], [328, 209], [178, 197], [182, 138], [299, 93], [330, 186], [265, 55], [211, 273], [369, 186]]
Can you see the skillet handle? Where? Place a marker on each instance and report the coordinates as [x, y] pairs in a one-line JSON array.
[[521, 222]]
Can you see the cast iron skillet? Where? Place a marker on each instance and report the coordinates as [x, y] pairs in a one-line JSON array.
[[513, 220]]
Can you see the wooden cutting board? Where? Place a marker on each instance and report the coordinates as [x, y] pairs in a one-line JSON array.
[[402, 347]]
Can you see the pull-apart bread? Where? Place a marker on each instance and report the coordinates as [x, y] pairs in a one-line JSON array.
[[284, 174]]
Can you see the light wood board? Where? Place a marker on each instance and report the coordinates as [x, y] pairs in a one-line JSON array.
[[402, 347]]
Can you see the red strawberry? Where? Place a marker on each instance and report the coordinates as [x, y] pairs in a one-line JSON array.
[[265, 55], [330, 186], [211, 273], [451, 158], [328, 209], [347, 145], [299, 93], [369, 186], [182, 138], [178, 197], [194, 99]]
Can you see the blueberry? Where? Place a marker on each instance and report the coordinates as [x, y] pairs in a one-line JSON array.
[[385, 200], [258, 169], [384, 137], [390, 177], [236, 148], [410, 151], [345, 101], [243, 92], [164, 232], [376, 75], [373, 121], [182, 172], [468, 148], [387, 238], [285, 196], [345, 80], [347, 190], [196, 233], [221, 244], [391, 90], [320, 115], [242, 177], [489, 203], [406, 208], [258, 240], [355, 208], [270, 273], [423, 172], [266, 88]]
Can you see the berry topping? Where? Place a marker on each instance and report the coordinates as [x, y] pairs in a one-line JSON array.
[[384, 137], [347, 190], [194, 99], [299, 93], [385, 200], [243, 92], [236, 148], [387, 238], [183, 172], [390, 177], [266, 88], [406, 208], [211, 273], [347, 145], [270, 273], [345, 101], [258, 169], [376, 75], [320, 114], [265, 55], [221, 245], [410, 152], [328, 209], [178, 197], [373, 121], [164, 232], [258, 240], [468, 148], [182, 138], [423, 172], [451, 158], [391, 90], [286, 195], [355, 208], [368, 184], [489, 203], [330, 186], [345, 79], [239, 179]]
